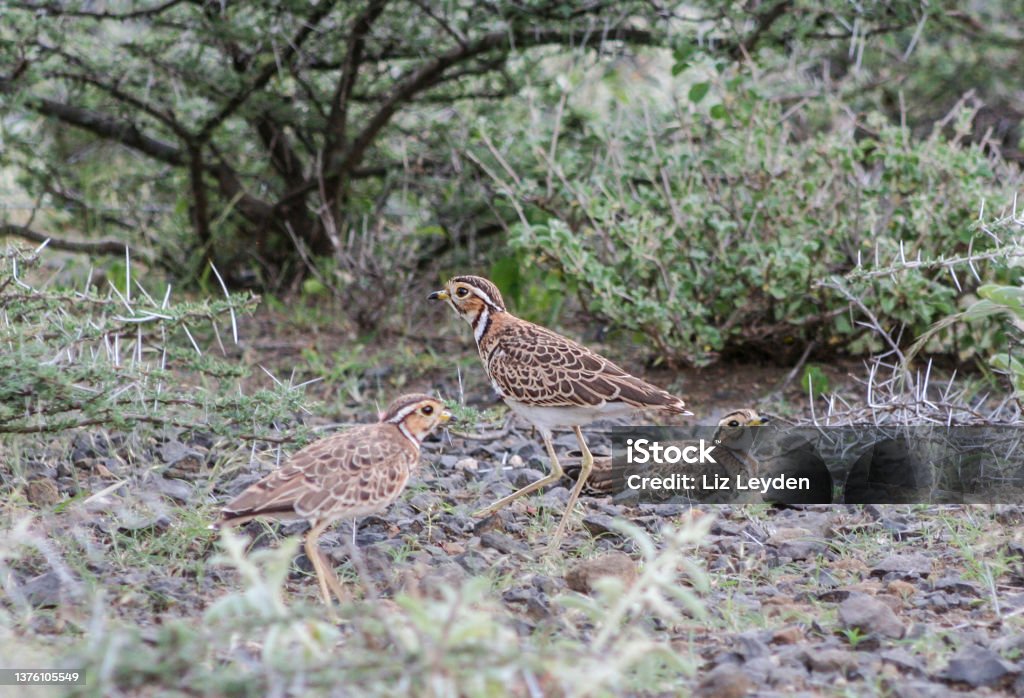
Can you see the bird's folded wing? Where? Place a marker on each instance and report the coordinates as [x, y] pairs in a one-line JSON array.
[[357, 468], [545, 369]]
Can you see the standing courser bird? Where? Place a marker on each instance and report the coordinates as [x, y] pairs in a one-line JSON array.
[[355, 473], [549, 380]]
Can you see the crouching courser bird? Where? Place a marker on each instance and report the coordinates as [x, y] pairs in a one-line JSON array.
[[355, 473], [732, 459], [549, 380]]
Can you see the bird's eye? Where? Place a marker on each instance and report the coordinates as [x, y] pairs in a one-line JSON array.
[[461, 293], [734, 423], [428, 410]]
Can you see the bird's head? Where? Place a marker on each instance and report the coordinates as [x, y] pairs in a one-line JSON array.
[[472, 297], [418, 414], [732, 425]]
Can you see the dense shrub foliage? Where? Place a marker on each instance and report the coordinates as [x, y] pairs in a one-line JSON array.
[[716, 242], [690, 170]]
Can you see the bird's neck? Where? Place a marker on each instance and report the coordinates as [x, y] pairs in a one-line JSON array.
[[484, 321], [409, 436]]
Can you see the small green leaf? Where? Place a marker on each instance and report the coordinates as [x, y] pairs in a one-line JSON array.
[[718, 112], [699, 91], [313, 287], [814, 380]]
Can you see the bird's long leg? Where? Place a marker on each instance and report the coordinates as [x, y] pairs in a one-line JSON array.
[[332, 580], [586, 465], [325, 575], [554, 476]]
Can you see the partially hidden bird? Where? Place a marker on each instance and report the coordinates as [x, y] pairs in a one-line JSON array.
[[732, 459]]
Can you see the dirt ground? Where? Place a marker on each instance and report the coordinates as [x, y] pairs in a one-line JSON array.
[[834, 600]]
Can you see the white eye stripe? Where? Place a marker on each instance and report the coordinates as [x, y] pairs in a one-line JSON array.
[[482, 295], [404, 412]]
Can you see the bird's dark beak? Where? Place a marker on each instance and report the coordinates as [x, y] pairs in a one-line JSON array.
[[441, 295]]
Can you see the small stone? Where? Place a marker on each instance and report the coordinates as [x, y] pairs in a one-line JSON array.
[[516, 461], [801, 549], [724, 681], [599, 524], [468, 464], [902, 589], [175, 489], [423, 501], [782, 535], [473, 562], [437, 580], [870, 616], [957, 585], [585, 573], [182, 462], [978, 666], [787, 636], [42, 493], [832, 660], [43, 591], [522, 477], [453, 547], [504, 543], [905, 566], [903, 660]]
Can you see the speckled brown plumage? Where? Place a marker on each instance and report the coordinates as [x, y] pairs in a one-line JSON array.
[[358, 472], [546, 378], [533, 365], [355, 473]]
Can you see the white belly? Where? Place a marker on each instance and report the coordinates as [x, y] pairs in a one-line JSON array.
[[547, 418]]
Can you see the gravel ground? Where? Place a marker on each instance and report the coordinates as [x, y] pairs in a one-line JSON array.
[[803, 600]]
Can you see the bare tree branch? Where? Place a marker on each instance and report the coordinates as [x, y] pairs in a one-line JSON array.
[[117, 130], [108, 246], [337, 121]]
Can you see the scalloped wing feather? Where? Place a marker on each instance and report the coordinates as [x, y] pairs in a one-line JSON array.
[[351, 474], [536, 366]]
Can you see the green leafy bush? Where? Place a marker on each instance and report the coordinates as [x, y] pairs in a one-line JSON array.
[[709, 234], [1001, 307]]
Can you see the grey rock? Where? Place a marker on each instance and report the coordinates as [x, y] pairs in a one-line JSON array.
[[724, 681], [801, 549], [870, 615], [903, 660], [175, 489], [445, 576], [918, 689], [43, 591], [904, 566], [473, 562], [423, 501], [504, 543], [957, 585], [979, 666], [546, 584], [521, 477], [181, 461], [599, 524], [831, 660]]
